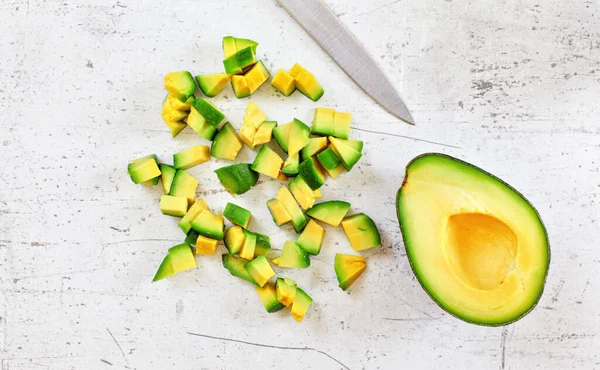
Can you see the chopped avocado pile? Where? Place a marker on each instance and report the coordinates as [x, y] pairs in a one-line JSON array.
[[307, 157]]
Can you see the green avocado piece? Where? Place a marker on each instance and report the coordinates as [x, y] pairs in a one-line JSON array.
[[211, 114], [267, 162], [226, 144], [288, 201], [331, 212], [298, 136], [249, 245], [348, 268], [245, 43], [210, 225], [173, 206], [235, 266], [237, 178], [494, 244], [165, 269], [311, 175], [167, 173], [237, 215], [144, 170], [315, 146], [268, 297], [200, 126], [292, 256], [184, 185], [341, 125], [306, 82], [282, 135], [211, 85], [182, 257], [345, 153], [260, 270], [234, 239], [192, 237], [354, 144], [311, 238], [263, 245], [286, 291], [229, 48], [153, 181], [291, 166], [361, 232], [323, 122], [191, 157], [180, 84], [243, 58], [328, 159], [186, 222], [302, 303]]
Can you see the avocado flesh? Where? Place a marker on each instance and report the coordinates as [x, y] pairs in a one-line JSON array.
[[476, 245]]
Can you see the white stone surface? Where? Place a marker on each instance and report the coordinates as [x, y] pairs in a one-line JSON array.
[[511, 86]]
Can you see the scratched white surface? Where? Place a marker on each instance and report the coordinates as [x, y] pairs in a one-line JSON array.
[[511, 86]]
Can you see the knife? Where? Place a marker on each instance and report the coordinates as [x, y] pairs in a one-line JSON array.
[[337, 41]]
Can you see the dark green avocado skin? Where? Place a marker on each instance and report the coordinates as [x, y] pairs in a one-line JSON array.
[[404, 237]]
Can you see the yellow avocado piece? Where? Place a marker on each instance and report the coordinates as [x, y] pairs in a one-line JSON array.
[[173, 206], [284, 82], [176, 127], [234, 239], [302, 303], [476, 245], [256, 76], [264, 133], [240, 87], [286, 293], [278, 212], [260, 270], [295, 70], [186, 222], [170, 114], [341, 124], [247, 251], [247, 133], [304, 195], [206, 245], [254, 116], [175, 103]]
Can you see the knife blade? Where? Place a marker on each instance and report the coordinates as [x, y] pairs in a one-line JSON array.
[[341, 45]]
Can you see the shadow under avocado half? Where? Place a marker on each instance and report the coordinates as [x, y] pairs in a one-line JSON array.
[[476, 245]]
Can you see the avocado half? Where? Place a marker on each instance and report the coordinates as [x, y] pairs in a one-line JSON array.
[[476, 245]]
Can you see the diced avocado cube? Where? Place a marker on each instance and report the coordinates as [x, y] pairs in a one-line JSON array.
[[180, 105], [282, 135], [341, 125], [184, 185], [330, 162], [286, 198], [263, 245], [143, 169], [237, 215], [291, 166], [167, 173], [284, 82], [278, 212], [292, 256], [311, 172], [170, 114], [229, 48], [247, 133], [264, 133], [254, 116], [191, 237], [211, 85], [256, 76], [304, 195], [240, 87], [186, 222], [306, 82], [155, 180], [226, 144], [200, 126], [315, 146], [260, 270], [286, 291], [267, 162], [237, 178], [268, 297], [176, 127], [191, 157], [361, 232], [173, 206], [331, 212], [354, 144], [301, 304], [206, 245], [345, 153], [323, 122], [209, 224], [236, 63], [234, 239], [180, 84], [235, 266], [182, 258], [298, 137], [211, 114], [249, 245], [245, 43], [348, 268], [165, 269], [311, 238]]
